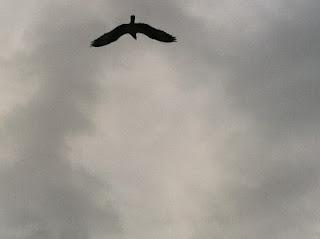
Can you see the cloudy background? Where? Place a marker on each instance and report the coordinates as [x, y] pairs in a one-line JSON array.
[[215, 136]]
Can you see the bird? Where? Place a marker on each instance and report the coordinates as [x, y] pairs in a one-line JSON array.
[[132, 28]]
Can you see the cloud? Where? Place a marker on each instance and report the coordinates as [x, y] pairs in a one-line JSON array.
[[41, 195], [214, 136]]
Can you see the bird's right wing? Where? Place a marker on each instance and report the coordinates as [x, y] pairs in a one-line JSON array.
[[154, 33], [110, 36]]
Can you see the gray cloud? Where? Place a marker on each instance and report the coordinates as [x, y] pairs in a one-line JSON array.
[[275, 72], [41, 195], [217, 138], [274, 82]]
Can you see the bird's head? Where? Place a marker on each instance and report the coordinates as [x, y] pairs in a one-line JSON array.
[[132, 17]]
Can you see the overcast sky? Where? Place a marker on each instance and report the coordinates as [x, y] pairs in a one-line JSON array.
[[215, 136]]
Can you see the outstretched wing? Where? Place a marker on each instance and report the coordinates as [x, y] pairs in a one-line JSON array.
[[110, 36], [154, 33]]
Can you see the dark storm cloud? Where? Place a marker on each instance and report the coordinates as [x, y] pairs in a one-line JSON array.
[[275, 73], [275, 81]]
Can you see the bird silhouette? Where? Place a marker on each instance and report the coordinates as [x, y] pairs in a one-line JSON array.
[[132, 28]]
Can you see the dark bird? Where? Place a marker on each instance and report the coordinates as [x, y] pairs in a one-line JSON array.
[[132, 28]]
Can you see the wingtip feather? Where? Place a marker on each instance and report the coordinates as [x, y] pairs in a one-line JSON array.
[[92, 44]]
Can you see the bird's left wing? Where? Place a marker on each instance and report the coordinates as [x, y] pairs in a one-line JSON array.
[[110, 36], [154, 33]]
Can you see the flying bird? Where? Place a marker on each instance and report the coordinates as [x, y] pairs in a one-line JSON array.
[[132, 28]]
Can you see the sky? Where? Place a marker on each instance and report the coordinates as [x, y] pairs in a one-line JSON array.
[[214, 136]]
